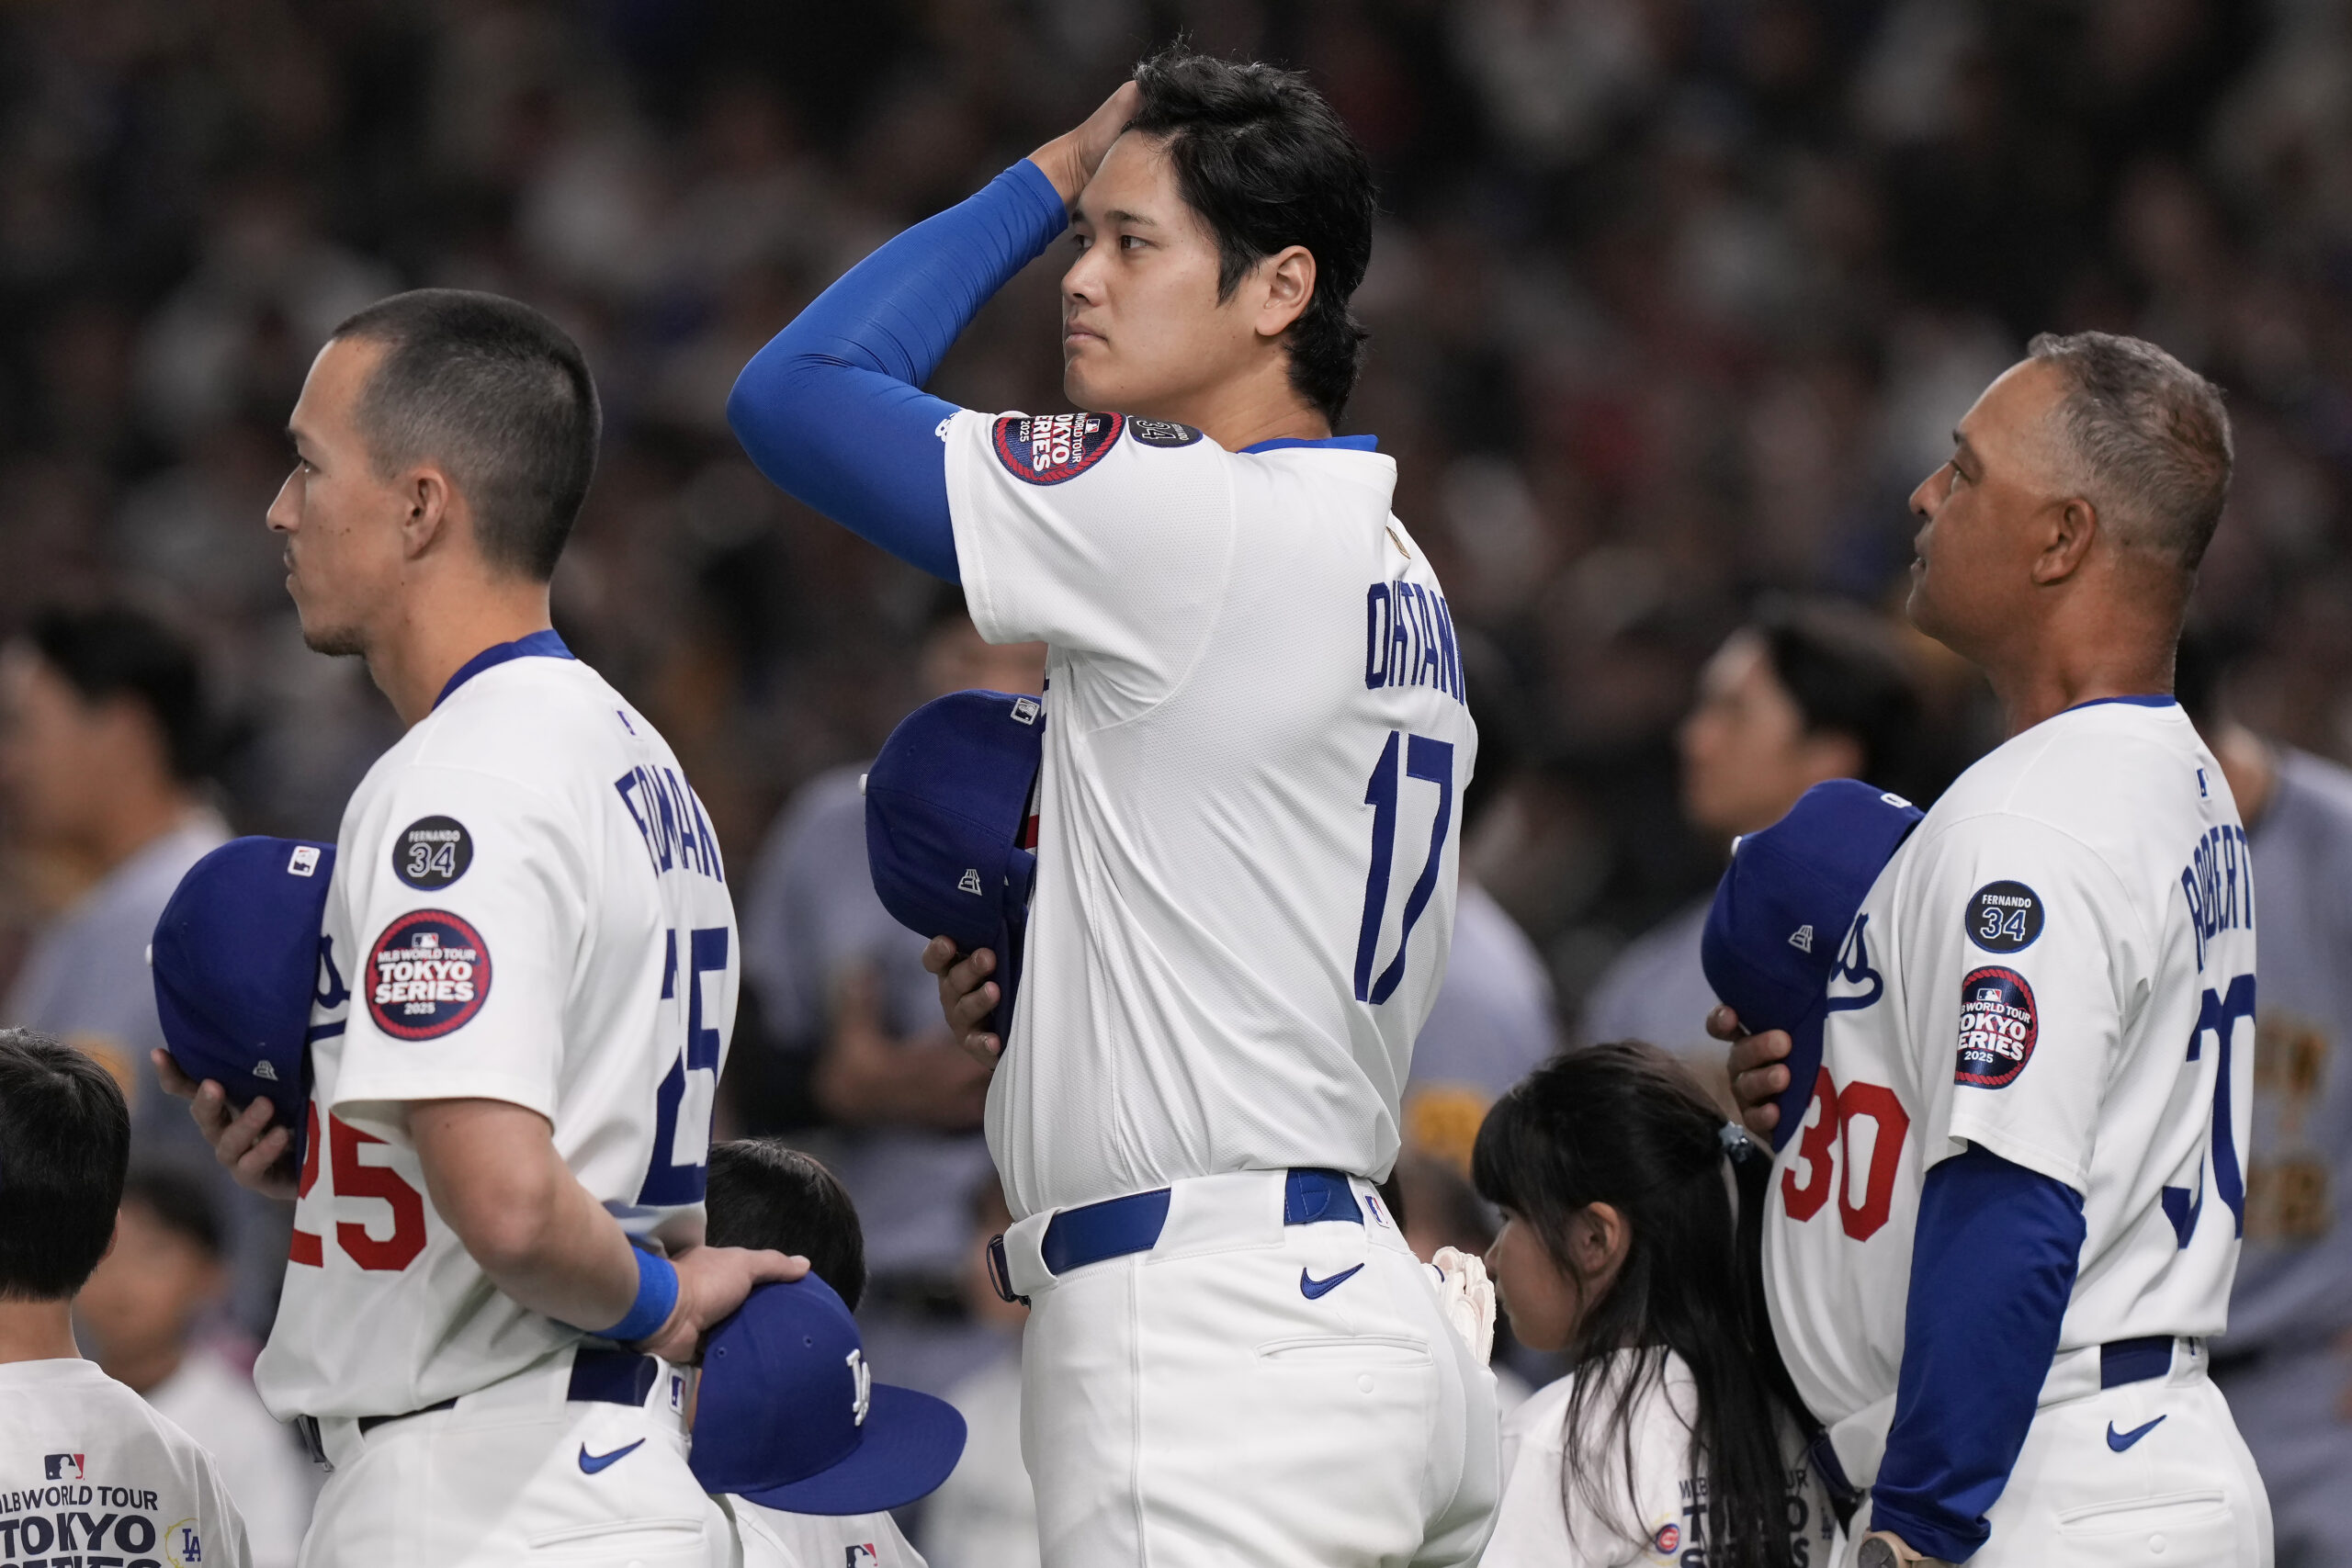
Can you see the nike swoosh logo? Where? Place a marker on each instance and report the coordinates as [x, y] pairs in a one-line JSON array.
[[2119, 1441], [591, 1463], [1315, 1290]]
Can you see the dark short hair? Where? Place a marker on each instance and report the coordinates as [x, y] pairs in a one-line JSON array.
[[1267, 163], [764, 1193], [179, 1202], [2148, 437], [64, 1145], [1840, 665], [499, 395], [106, 652]]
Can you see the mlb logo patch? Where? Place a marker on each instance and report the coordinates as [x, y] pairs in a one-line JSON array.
[[1048, 449], [428, 973], [63, 1467], [862, 1552]]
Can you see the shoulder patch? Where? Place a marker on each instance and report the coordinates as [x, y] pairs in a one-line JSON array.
[[427, 974], [1045, 449], [1163, 433], [1998, 1028], [432, 851], [2004, 917]]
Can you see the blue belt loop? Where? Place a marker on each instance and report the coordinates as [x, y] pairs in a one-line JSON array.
[[1313, 1195], [611, 1377], [1096, 1233], [2124, 1361]]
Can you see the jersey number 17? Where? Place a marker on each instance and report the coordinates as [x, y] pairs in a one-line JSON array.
[[1430, 761]]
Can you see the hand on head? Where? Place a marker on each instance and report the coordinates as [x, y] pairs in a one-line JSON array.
[[1070, 159], [1757, 1077], [712, 1282]]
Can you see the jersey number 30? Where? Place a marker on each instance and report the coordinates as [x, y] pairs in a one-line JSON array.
[[1431, 762]]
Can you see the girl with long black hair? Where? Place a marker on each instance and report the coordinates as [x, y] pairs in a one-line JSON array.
[[1665, 1442]]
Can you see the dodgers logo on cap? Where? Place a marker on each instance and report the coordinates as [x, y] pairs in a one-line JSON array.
[[789, 1416], [1776, 934], [947, 825], [238, 961]]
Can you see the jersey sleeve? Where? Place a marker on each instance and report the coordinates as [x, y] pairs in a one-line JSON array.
[[1094, 532], [471, 895], [2033, 958]]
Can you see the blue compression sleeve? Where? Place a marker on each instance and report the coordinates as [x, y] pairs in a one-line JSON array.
[[832, 409], [1992, 1268]]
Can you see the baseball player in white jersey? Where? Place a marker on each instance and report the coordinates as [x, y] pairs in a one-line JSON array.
[[526, 983], [2011, 1214], [90, 1474], [1255, 747]]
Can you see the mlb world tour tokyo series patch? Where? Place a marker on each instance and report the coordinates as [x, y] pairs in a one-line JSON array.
[[428, 973], [1998, 1028], [1045, 449]]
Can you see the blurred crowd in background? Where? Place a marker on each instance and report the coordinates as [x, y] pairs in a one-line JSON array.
[[1673, 302]]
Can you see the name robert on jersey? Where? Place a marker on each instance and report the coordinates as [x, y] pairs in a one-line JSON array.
[[2219, 880]]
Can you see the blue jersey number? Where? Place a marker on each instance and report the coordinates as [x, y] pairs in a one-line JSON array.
[[1432, 763], [2219, 1017], [691, 1088]]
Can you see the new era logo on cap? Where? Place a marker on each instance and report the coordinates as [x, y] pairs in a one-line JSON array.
[[1802, 939]]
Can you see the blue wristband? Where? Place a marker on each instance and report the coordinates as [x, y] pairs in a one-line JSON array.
[[657, 1296]]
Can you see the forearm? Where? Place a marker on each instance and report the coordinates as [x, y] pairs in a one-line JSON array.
[[1992, 1269], [832, 410], [492, 1173]]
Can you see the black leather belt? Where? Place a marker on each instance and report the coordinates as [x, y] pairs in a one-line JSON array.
[[598, 1377]]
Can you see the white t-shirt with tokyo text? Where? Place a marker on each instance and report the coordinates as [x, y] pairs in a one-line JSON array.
[[1250, 809], [90, 1472]]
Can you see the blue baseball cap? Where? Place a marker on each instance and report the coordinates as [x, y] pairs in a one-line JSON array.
[[946, 818], [1781, 913], [789, 1417], [236, 964]]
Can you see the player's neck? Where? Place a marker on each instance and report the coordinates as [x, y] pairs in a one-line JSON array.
[[2087, 647], [1243, 412], [37, 1331], [412, 660]]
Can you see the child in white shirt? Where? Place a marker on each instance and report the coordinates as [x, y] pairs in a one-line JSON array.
[[1665, 1443], [88, 1471]]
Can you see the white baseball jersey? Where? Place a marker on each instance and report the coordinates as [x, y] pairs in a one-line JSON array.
[[528, 906], [2058, 965], [91, 1473], [1250, 805]]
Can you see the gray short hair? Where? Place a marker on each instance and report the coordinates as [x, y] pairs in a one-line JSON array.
[[2148, 440]]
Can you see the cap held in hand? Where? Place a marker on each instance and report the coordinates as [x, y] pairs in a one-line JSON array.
[[1775, 935], [947, 826], [789, 1416], [238, 961]]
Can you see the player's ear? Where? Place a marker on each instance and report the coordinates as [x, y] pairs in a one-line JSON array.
[[2070, 527], [1288, 278], [430, 502]]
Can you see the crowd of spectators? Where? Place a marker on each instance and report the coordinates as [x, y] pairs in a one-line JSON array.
[[1673, 302]]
